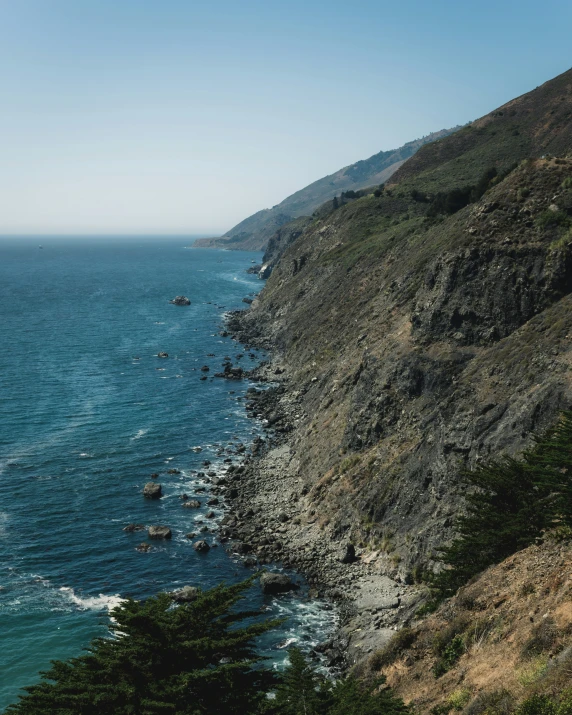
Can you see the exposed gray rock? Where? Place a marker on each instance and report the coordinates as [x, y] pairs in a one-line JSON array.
[[180, 300], [192, 504], [201, 546], [273, 583], [152, 490], [185, 594], [159, 532]]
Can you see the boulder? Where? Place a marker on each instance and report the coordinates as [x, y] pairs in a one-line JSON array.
[[210, 514], [180, 300], [349, 555], [163, 355], [144, 547], [192, 504], [159, 532], [152, 490], [185, 594], [273, 583], [201, 546]]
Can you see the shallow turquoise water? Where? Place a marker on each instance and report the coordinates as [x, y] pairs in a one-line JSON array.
[[83, 424]]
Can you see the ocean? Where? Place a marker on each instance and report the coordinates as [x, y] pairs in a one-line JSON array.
[[89, 412]]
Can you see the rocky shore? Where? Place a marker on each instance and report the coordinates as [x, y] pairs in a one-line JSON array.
[[271, 519]]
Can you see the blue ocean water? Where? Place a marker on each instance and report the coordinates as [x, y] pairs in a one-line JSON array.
[[88, 413]]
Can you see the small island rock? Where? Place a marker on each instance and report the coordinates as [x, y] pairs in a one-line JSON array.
[[152, 490], [159, 532], [180, 300], [185, 594], [202, 547]]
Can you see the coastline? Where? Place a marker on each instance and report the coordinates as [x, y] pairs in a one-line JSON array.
[[271, 519]]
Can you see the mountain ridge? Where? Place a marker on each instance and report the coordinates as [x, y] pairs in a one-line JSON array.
[[254, 232]]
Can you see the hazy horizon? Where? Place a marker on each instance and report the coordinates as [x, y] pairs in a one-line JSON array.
[[179, 119]]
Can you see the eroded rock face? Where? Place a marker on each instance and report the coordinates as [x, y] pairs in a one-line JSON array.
[[152, 490], [180, 300], [159, 532]]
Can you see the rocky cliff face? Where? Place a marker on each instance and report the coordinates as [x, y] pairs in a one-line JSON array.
[[415, 347]]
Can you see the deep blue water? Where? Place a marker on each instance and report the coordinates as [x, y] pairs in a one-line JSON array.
[[83, 425]]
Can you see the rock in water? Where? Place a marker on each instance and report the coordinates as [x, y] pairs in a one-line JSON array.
[[159, 532], [180, 300], [144, 547], [350, 555], [273, 583], [192, 504], [202, 547], [185, 594], [163, 355], [152, 490]]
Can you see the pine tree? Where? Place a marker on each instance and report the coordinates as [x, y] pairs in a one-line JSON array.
[[510, 504], [301, 691], [196, 658], [353, 697]]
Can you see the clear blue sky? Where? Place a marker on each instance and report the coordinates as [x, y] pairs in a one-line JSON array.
[[177, 116]]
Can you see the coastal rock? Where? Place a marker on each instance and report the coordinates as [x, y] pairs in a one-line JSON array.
[[130, 528], [192, 504], [265, 271], [201, 547], [144, 547], [273, 583], [152, 490], [180, 300], [185, 594], [162, 355], [159, 532]]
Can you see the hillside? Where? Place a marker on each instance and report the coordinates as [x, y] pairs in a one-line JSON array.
[[503, 638], [254, 232], [417, 332]]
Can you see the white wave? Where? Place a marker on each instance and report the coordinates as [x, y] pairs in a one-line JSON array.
[[93, 603], [84, 455], [140, 433], [4, 518], [287, 643]]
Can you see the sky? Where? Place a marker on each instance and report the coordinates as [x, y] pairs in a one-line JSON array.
[[181, 117]]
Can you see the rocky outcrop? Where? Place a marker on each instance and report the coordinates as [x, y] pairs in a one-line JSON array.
[[201, 547], [180, 300], [187, 594], [275, 583], [152, 490], [159, 532]]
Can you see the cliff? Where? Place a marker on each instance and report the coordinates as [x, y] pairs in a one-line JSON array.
[[423, 329], [254, 232]]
